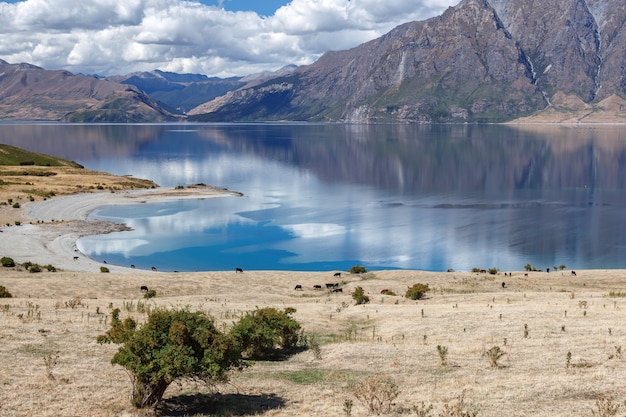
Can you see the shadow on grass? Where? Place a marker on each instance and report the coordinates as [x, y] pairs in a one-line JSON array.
[[219, 405]]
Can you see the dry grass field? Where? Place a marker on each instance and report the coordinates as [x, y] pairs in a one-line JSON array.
[[51, 365]]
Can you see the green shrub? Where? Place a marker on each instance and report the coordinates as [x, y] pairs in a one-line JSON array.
[[493, 271], [417, 291], [104, 269], [359, 296], [4, 293], [266, 332], [149, 294], [16, 205], [7, 262], [171, 345], [34, 268], [357, 269]]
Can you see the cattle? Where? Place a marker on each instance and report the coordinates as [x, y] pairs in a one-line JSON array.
[[298, 287], [337, 274], [504, 285], [132, 266], [329, 285], [385, 291], [483, 271], [238, 270], [75, 258], [153, 268], [317, 287], [574, 273], [526, 274], [144, 288], [337, 290]]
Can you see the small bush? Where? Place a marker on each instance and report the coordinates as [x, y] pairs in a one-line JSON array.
[[493, 271], [7, 262], [149, 294], [376, 393], [104, 269], [443, 354], [34, 268], [357, 269], [359, 296], [417, 291], [4, 293], [494, 354], [265, 332], [16, 205]]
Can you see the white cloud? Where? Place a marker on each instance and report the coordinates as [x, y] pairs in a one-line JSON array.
[[122, 36]]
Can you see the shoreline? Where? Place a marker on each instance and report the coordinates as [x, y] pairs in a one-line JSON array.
[[49, 235]]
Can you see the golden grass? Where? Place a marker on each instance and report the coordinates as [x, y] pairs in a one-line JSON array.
[[391, 336], [41, 183]]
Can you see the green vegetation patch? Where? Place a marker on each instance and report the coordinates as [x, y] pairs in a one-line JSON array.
[[13, 156]]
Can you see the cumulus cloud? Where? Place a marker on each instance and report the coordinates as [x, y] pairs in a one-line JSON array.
[[121, 36]]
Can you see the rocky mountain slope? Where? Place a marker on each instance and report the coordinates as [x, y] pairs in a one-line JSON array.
[[31, 93], [483, 60]]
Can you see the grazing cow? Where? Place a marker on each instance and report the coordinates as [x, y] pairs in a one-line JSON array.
[[574, 273], [298, 287], [483, 271], [317, 287], [337, 274], [153, 268], [548, 270], [385, 291], [132, 266], [336, 285], [504, 285], [329, 285], [238, 270], [526, 274], [75, 258], [144, 288], [338, 290]]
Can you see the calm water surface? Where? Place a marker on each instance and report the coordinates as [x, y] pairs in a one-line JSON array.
[[323, 197]]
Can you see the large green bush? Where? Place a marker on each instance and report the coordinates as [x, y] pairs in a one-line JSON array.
[[417, 291], [172, 344], [266, 332]]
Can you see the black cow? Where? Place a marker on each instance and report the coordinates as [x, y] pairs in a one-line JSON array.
[[132, 266], [574, 273], [153, 268], [144, 288], [329, 285], [75, 258], [337, 274], [238, 270], [338, 290], [504, 285], [317, 287], [298, 287]]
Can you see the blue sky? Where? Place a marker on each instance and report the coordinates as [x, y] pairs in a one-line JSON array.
[[213, 37], [262, 7]]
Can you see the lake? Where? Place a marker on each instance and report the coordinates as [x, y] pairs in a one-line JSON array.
[[330, 196]]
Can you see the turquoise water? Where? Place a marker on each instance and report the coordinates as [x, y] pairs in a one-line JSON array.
[[326, 197]]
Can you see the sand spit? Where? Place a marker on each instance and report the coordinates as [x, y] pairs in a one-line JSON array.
[[54, 225]]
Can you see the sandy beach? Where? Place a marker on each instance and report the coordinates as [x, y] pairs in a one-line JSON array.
[[49, 229], [561, 333]]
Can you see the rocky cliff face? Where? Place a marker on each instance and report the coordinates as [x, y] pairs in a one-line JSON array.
[[483, 60], [32, 93]]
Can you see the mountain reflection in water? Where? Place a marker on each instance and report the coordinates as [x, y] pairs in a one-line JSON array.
[[322, 197]]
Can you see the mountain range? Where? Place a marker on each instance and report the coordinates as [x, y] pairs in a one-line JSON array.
[[480, 61]]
